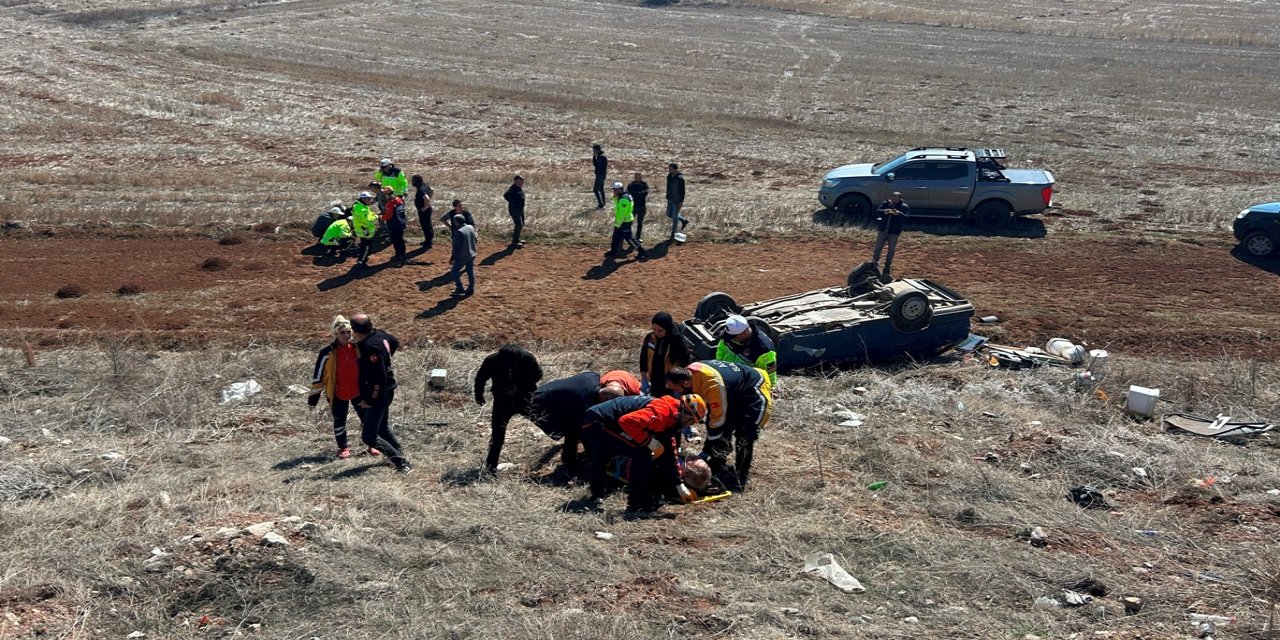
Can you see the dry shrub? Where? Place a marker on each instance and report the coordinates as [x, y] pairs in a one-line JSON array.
[[129, 289], [231, 240], [263, 227], [215, 264], [70, 291]]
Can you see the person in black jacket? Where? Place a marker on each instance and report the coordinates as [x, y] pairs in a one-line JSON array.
[[377, 389], [459, 210], [601, 165], [638, 189], [515, 374], [559, 407], [515, 207], [422, 194], [892, 214], [664, 347], [675, 198]]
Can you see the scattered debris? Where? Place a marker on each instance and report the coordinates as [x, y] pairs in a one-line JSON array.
[[1087, 585], [910, 620], [1038, 537], [971, 344], [1216, 428], [1140, 472], [504, 466], [1065, 349], [297, 390], [1273, 492], [5, 441], [877, 485], [1046, 603], [273, 539], [604, 535], [1088, 497], [240, 390], [438, 378], [1204, 617], [861, 391], [1075, 599], [825, 565], [989, 319], [1142, 401], [1132, 604]]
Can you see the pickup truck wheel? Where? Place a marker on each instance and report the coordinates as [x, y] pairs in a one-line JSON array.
[[855, 209], [992, 215], [863, 279], [1259, 245], [910, 312], [715, 306]]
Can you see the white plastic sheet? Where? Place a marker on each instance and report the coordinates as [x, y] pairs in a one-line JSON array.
[[825, 565], [240, 390]]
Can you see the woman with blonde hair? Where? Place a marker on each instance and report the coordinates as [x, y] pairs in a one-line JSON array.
[[337, 377]]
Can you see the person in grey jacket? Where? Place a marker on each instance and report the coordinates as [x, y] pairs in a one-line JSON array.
[[463, 256]]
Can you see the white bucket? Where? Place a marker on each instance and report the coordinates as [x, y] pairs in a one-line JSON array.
[[1098, 362], [1142, 401]]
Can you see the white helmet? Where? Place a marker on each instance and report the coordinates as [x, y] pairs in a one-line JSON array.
[[385, 162], [617, 185], [336, 211], [336, 203], [364, 194], [735, 324]]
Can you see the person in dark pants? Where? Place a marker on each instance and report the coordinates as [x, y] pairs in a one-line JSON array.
[[515, 207], [623, 216], [463, 256], [377, 389], [638, 189], [664, 347], [893, 213], [393, 216], [645, 432], [740, 399], [422, 194], [559, 407], [515, 374], [601, 165], [675, 198], [337, 376]]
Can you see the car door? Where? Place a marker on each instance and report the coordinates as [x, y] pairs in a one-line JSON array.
[[912, 180], [951, 186]]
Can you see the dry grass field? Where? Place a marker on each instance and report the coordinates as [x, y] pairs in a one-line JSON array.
[[162, 159]]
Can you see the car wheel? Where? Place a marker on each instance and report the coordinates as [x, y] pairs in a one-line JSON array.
[[863, 279], [715, 306], [910, 311], [992, 215], [1259, 245], [855, 209]]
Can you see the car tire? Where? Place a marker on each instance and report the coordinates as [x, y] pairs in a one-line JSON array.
[[863, 279], [715, 306], [992, 215], [854, 209], [1259, 244], [910, 312]]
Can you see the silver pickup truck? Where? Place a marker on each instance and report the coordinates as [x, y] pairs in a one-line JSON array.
[[941, 182]]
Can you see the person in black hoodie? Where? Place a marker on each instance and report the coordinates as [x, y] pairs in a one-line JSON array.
[[638, 189], [675, 198], [664, 347], [377, 389], [422, 194], [600, 163], [515, 374], [515, 207]]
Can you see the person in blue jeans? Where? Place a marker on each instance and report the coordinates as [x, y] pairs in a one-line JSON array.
[[675, 198], [463, 256]]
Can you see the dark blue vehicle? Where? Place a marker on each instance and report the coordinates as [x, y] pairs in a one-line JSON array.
[[1258, 229], [865, 321]]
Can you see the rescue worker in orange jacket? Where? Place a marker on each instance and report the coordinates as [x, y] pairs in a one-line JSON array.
[[644, 430]]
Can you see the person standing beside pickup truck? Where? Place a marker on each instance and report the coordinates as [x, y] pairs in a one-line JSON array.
[[892, 215]]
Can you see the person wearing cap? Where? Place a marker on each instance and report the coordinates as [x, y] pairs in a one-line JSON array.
[[377, 390], [422, 194], [638, 189], [514, 374], [645, 432], [600, 163], [749, 346], [393, 216], [337, 236], [463, 256], [337, 376], [675, 198], [892, 215], [364, 225], [515, 208], [739, 400], [623, 216], [389, 175]]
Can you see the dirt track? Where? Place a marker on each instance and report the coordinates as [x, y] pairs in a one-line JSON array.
[[1133, 295]]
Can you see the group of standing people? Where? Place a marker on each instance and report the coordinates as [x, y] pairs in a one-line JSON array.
[[631, 202]]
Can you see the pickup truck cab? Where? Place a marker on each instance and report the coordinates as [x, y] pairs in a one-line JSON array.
[[941, 182]]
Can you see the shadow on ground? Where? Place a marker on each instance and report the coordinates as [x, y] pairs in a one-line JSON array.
[[1270, 265], [441, 308], [294, 463], [356, 472], [494, 257], [464, 477], [1019, 227], [357, 272]]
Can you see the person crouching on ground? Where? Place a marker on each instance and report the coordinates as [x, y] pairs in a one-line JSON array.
[[337, 377], [377, 389], [646, 431], [337, 237]]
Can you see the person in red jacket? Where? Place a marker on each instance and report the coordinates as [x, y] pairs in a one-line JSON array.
[[337, 376], [644, 430], [393, 216]]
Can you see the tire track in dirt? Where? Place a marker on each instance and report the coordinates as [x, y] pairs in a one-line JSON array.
[[1130, 295]]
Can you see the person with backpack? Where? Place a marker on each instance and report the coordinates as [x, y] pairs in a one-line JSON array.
[[422, 194]]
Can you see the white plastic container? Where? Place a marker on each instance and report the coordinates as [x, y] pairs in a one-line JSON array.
[[1142, 401], [438, 378], [1098, 363]]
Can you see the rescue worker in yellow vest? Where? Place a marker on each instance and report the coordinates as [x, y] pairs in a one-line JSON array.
[[364, 225], [740, 401], [389, 175], [337, 237], [747, 345], [623, 217]]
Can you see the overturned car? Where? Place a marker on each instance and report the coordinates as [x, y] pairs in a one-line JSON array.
[[870, 319]]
